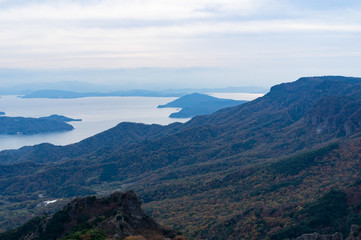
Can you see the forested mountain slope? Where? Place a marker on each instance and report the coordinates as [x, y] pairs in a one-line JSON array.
[[118, 216], [242, 172]]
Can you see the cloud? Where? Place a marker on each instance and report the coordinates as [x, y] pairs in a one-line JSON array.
[[125, 9], [160, 10], [163, 33]]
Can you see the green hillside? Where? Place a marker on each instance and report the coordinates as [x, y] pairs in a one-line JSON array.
[[260, 170]]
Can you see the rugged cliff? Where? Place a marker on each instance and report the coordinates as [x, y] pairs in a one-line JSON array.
[[118, 216], [355, 234]]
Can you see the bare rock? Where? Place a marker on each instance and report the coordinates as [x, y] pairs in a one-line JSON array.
[[317, 236], [355, 233]]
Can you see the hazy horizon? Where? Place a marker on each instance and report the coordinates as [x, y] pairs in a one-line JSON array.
[[142, 78], [127, 79]]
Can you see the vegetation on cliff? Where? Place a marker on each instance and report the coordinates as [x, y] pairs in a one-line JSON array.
[[118, 216]]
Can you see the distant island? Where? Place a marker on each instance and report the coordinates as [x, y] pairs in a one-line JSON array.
[[62, 94], [54, 94], [198, 104], [28, 126], [2, 113]]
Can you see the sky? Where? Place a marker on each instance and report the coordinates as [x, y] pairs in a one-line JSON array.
[[178, 43]]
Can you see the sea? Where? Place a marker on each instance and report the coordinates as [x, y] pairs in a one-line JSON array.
[[97, 113]]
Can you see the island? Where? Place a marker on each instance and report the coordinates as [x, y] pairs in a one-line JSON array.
[[2, 113], [29, 126], [60, 94], [198, 104]]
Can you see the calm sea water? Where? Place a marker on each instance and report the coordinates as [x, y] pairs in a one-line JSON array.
[[98, 114]]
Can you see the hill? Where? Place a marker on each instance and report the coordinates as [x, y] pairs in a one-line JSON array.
[[61, 118], [118, 216], [259, 170], [198, 104], [2, 113], [61, 93], [27, 126]]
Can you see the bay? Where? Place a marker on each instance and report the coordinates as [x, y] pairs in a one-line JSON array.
[[97, 113]]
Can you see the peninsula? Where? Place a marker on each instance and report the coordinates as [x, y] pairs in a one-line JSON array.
[[198, 104]]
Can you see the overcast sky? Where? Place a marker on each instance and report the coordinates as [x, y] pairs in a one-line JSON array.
[[189, 43]]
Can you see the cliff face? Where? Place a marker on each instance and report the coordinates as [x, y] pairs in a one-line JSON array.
[[118, 216], [316, 236], [355, 234], [337, 114]]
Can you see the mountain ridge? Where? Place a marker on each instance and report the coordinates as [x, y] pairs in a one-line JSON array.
[[222, 173]]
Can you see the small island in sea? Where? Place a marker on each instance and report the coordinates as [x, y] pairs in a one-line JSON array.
[[2, 113], [60, 94], [198, 104], [66, 94], [28, 126]]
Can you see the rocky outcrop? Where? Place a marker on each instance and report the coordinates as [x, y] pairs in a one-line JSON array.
[[340, 115], [117, 216], [355, 234], [316, 236]]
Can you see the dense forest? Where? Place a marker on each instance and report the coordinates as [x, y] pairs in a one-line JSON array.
[[277, 167]]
